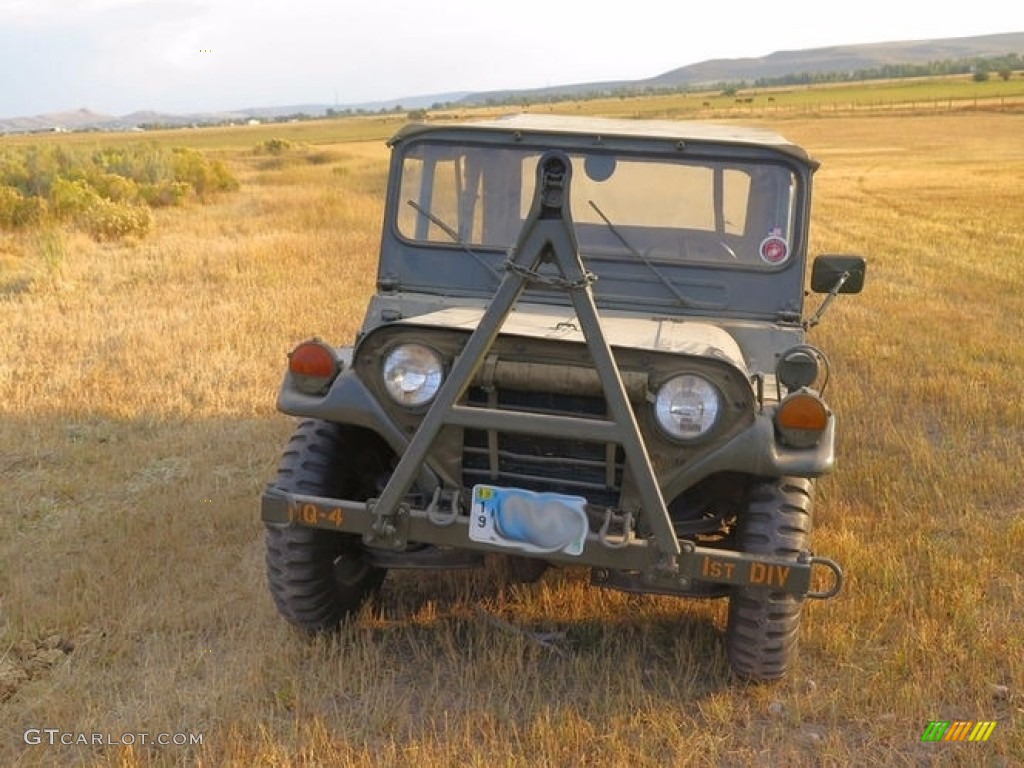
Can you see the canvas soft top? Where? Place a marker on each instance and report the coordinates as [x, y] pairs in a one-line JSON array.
[[684, 131]]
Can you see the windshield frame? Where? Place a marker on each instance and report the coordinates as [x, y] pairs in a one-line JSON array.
[[418, 222], [445, 270]]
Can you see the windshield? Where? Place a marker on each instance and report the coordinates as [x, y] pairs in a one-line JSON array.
[[670, 210]]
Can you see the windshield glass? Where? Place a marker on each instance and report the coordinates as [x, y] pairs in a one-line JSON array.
[[674, 210]]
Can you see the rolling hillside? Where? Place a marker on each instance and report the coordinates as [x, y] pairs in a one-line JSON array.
[[847, 58]]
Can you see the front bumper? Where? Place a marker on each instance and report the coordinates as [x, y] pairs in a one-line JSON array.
[[657, 572]]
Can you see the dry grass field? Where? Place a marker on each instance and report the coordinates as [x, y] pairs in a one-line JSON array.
[[137, 427]]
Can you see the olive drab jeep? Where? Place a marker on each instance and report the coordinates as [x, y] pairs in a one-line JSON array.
[[586, 347]]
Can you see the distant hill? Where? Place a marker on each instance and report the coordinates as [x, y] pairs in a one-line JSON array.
[[68, 121], [84, 119], [842, 58], [834, 59]]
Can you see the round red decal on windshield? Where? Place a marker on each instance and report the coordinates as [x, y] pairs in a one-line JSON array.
[[774, 250]]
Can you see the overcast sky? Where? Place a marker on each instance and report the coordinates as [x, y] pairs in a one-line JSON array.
[[119, 56]]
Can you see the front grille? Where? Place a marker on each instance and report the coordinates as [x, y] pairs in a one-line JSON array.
[[561, 465]]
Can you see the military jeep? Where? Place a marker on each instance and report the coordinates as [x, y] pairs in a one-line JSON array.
[[586, 348]]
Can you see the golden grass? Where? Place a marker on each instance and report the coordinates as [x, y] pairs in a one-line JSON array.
[[137, 428]]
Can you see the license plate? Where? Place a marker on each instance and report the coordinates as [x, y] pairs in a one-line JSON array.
[[529, 521]]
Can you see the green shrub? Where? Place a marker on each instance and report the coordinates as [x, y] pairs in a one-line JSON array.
[[108, 220], [10, 198], [18, 211], [164, 193], [111, 160], [273, 147], [70, 199], [80, 204], [12, 171], [204, 176], [114, 187], [106, 191], [42, 168], [223, 179]]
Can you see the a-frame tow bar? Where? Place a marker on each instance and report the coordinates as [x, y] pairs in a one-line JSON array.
[[546, 255]]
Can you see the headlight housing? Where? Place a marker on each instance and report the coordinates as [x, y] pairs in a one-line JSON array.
[[412, 374], [687, 407]]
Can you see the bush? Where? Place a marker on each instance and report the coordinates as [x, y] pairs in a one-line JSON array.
[[164, 193], [105, 219], [106, 191], [17, 211], [42, 170], [70, 199], [13, 173], [223, 179], [115, 187], [10, 199], [273, 147], [202, 175], [108, 220]]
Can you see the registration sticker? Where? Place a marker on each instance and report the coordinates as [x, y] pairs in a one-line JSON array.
[[528, 521]]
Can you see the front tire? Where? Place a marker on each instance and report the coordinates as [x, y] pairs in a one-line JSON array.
[[318, 578], [764, 625]]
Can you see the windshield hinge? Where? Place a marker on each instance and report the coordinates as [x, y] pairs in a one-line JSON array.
[[788, 317], [388, 284]]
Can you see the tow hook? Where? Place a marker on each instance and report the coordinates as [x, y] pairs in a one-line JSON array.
[[837, 577]]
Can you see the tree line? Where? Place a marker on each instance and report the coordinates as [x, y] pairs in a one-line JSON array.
[[980, 67]]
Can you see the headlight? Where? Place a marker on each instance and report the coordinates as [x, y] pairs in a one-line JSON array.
[[412, 374], [687, 406]]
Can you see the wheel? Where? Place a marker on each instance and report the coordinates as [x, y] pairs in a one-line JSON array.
[[316, 577], [763, 626]]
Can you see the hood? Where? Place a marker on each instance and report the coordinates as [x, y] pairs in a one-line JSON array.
[[674, 335]]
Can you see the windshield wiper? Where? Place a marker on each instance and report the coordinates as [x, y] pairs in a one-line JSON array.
[[448, 230], [684, 300]]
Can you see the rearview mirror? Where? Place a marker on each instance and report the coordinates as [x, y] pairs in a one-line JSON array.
[[829, 269]]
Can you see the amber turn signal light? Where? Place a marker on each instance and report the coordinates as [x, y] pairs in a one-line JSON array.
[[800, 419], [802, 411], [313, 366]]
